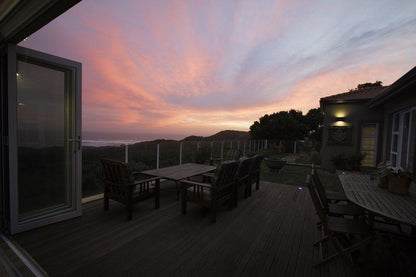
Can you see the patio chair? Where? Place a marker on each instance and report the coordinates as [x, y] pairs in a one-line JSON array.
[[254, 174], [126, 187], [330, 196], [342, 232], [331, 208], [212, 195], [231, 155], [243, 178]]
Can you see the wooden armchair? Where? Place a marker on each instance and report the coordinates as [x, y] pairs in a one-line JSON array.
[[342, 232], [243, 178], [231, 155], [211, 195], [126, 187], [254, 174]]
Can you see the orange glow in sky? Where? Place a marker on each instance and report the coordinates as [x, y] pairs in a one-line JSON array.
[[179, 68]]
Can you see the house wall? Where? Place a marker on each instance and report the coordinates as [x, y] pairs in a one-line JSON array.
[[355, 115]]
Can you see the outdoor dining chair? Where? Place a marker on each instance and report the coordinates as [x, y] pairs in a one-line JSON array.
[[346, 235], [331, 208], [211, 195], [242, 178], [231, 155], [126, 187], [330, 196], [254, 174]]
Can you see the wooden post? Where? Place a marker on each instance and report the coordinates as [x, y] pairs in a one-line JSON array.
[[180, 153], [157, 156], [222, 150], [126, 153]]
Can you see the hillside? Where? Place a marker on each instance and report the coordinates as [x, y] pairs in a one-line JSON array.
[[223, 135]]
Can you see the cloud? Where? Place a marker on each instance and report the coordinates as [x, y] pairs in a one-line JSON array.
[[197, 67]]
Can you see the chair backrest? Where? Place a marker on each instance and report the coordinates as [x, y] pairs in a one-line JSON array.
[[225, 175], [232, 155], [255, 165], [243, 171], [319, 188], [116, 172], [315, 200]]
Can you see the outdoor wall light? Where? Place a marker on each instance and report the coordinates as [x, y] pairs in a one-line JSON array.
[[340, 118]]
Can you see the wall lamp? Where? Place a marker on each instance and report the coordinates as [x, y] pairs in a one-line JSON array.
[[340, 118]]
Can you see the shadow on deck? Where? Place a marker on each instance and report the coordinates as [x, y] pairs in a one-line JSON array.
[[269, 234]]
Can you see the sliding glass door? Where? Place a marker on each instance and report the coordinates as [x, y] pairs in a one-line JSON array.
[[45, 136]]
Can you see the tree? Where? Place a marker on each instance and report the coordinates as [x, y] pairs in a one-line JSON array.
[[285, 125], [368, 85]]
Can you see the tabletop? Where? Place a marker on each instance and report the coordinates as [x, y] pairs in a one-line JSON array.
[[363, 191], [179, 172]]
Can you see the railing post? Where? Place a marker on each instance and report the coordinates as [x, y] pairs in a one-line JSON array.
[[258, 145], [180, 153], [244, 149], [294, 147], [231, 144], [222, 149], [157, 156], [126, 153], [210, 149], [238, 145], [265, 146]]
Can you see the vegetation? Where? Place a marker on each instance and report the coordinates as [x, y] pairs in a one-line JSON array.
[[289, 125], [367, 85]]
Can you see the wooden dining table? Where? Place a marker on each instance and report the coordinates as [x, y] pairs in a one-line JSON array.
[[363, 190], [179, 172]]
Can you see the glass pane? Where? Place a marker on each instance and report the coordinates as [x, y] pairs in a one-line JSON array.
[[369, 130], [43, 159], [368, 143], [412, 165], [396, 119], [394, 143], [405, 139], [369, 158]]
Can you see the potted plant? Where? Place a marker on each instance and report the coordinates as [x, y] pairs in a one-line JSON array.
[[383, 170], [398, 179]]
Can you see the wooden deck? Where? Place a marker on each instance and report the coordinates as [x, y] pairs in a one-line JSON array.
[[269, 234]]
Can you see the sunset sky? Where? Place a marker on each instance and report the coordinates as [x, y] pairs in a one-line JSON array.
[[176, 68]]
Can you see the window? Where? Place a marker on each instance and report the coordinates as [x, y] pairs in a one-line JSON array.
[[369, 133], [402, 149]]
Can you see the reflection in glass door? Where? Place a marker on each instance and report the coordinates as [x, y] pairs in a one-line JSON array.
[[44, 154], [47, 129]]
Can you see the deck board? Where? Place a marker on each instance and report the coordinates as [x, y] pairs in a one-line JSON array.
[[269, 234]]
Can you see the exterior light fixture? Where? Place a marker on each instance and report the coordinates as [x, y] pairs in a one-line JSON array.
[[340, 118]]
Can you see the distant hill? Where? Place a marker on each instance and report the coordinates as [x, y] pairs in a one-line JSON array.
[[223, 135]]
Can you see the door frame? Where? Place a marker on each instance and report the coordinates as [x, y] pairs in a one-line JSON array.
[[74, 69]]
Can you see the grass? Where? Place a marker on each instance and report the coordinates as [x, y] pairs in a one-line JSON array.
[[296, 176]]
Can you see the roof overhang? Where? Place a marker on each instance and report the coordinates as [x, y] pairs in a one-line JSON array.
[[403, 84], [21, 18]]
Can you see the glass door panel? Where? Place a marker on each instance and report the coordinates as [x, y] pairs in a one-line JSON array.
[[369, 144], [44, 155], [44, 122]]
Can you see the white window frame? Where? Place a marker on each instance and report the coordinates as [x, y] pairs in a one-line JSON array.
[[399, 133]]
